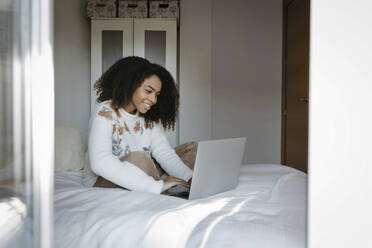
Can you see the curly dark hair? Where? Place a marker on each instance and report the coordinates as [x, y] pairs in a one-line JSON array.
[[121, 80]]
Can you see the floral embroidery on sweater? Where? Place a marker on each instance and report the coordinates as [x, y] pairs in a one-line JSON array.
[[147, 149], [116, 146], [120, 146], [138, 127], [126, 127], [106, 113], [127, 150], [120, 131], [117, 128]]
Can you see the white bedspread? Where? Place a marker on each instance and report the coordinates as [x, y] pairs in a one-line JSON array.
[[267, 209]]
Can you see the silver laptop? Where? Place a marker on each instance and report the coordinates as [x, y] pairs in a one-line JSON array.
[[216, 168]]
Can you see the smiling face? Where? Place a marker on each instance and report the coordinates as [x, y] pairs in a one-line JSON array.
[[145, 96]]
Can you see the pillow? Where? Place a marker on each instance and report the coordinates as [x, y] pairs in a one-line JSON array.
[[69, 149]]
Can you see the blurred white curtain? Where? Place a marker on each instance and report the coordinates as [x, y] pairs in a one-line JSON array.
[[27, 123]]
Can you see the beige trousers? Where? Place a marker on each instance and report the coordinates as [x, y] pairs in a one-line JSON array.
[[141, 159]]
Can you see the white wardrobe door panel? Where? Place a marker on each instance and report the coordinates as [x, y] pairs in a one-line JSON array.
[[155, 45], [142, 31], [112, 47], [102, 40]]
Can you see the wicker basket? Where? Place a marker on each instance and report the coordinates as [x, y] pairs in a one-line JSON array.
[[164, 9], [132, 9], [101, 8]]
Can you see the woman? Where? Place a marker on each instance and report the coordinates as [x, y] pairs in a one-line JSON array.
[[137, 101]]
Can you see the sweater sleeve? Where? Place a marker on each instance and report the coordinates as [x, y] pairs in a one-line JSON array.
[[107, 165], [166, 156]]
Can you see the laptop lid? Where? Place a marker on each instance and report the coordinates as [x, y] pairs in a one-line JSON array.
[[217, 166]]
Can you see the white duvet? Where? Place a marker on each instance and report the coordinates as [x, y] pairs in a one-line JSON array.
[[267, 209]]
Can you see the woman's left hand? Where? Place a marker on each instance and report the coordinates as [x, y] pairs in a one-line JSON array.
[[170, 182]]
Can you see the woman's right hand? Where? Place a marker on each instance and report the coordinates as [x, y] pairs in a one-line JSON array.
[[170, 182]]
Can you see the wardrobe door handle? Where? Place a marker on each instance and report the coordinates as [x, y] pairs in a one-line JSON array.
[[304, 99]]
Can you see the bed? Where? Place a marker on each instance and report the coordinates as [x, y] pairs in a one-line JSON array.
[[267, 209]]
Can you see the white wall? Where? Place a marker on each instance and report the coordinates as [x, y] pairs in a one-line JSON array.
[[195, 70], [246, 75], [72, 64], [340, 164]]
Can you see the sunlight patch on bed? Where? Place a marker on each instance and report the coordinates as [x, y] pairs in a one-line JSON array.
[[215, 222], [180, 222]]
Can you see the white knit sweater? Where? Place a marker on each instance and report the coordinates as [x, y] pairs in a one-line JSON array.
[[113, 135]]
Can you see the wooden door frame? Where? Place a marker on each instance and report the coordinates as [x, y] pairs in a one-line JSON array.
[[284, 58], [286, 3]]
